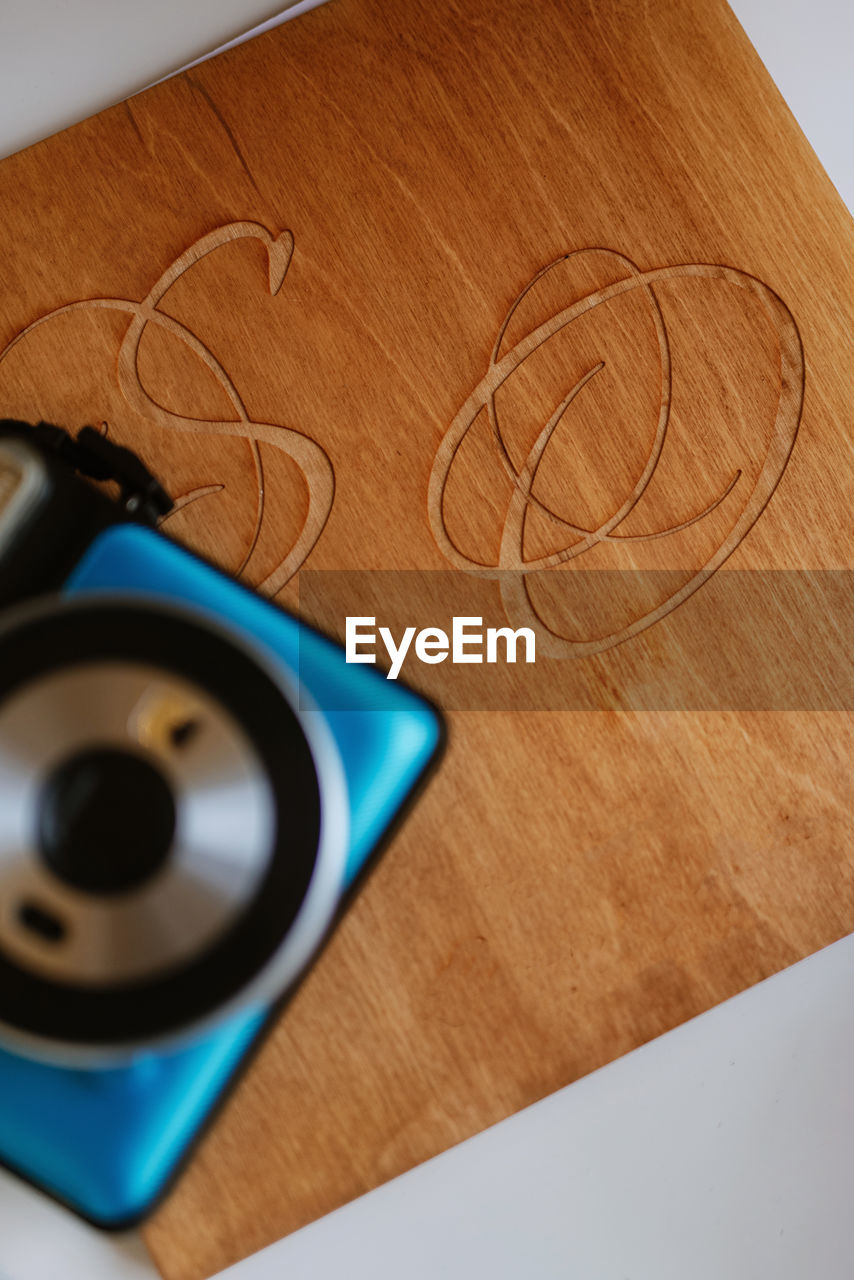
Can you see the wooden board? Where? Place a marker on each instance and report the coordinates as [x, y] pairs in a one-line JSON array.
[[285, 278]]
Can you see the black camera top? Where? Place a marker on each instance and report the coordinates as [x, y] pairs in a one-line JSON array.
[[49, 510]]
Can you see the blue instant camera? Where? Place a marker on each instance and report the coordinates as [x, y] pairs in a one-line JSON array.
[[191, 783]]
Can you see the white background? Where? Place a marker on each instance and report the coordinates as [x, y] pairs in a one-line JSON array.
[[723, 1151]]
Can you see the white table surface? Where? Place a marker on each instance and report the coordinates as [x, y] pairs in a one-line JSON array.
[[725, 1149]]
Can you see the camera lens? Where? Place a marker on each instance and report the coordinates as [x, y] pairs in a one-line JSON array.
[[163, 823], [107, 820]]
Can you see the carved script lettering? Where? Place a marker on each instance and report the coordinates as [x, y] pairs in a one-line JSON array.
[[305, 452], [511, 569]]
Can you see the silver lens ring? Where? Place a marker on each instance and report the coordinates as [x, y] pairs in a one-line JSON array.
[[64, 725], [254, 867]]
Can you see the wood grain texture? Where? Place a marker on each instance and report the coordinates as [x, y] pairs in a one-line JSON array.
[[332, 264]]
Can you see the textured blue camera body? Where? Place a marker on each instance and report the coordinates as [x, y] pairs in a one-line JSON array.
[[107, 1141]]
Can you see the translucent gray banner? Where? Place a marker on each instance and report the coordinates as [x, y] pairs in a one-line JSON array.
[[646, 640]]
